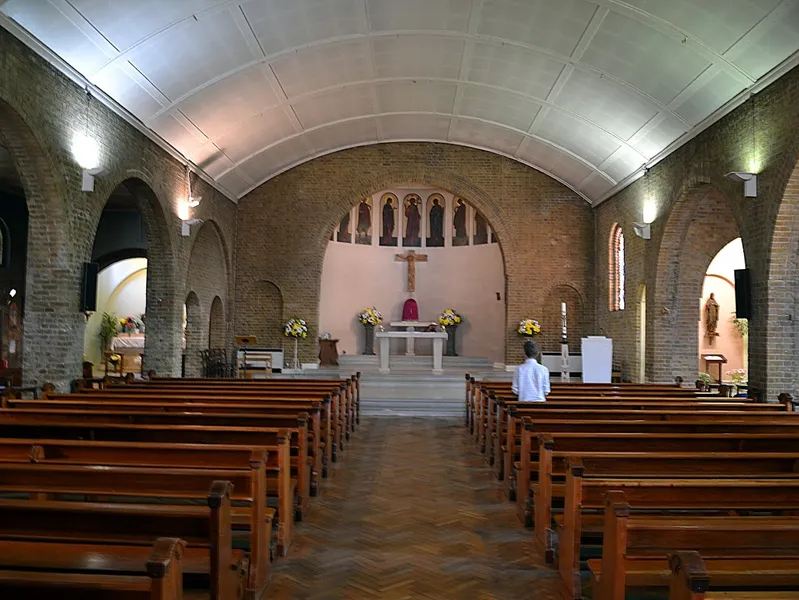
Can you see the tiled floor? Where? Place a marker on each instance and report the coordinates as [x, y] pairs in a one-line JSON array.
[[411, 511]]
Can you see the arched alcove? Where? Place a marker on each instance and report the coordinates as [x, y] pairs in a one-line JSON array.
[[700, 224], [550, 338], [463, 269], [217, 326], [641, 333], [262, 314]]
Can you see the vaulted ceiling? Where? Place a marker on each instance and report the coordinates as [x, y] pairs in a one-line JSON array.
[[586, 91]]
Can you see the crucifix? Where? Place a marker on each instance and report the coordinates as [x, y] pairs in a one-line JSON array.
[[411, 258]]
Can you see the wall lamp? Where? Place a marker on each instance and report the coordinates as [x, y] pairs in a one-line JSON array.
[[643, 230], [185, 226], [748, 179]]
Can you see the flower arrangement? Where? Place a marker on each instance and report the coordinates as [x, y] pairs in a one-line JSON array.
[[114, 359], [128, 324], [738, 376], [370, 316], [529, 328], [295, 328], [449, 318]]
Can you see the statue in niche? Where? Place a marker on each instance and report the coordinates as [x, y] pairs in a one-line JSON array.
[[711, 316], [461, 238], [344, 228], [388, 224], [413, 222], [436, 220], [480, 229], [363, 231]]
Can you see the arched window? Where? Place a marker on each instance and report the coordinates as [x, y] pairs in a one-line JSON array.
[[616, 264]]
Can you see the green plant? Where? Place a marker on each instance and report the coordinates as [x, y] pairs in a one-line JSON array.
[[742, 325], [108, 330], [706, 378]]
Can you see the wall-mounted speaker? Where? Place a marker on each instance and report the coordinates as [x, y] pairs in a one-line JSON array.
[[88, 296], [743, 294]]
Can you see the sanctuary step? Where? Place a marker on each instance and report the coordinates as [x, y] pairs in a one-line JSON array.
[[402, 364]]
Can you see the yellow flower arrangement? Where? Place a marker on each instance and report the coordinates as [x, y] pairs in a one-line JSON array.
[[449, 318], [528, 328], [296, 328], [370, 316]]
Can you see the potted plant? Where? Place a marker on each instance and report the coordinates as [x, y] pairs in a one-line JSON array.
[[449, 321], [704, 381], [108, 330], [369, 318], [738, 377]]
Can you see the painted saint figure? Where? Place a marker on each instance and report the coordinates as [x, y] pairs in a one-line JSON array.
[[414, 222], [387, 239], [436, 238], [364, 223], [480, 229], [459, 223], [711, 316]]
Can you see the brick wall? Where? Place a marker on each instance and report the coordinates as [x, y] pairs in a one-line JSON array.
[[40, 111], [544, 229]]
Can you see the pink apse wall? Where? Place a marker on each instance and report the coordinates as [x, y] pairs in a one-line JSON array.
[[466, 278]]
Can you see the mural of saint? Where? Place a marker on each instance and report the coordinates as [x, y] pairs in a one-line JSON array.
[[480, 229], [461, 236], [435, 238], [344, 234], [388, 221], [413, 221], [363, 230]]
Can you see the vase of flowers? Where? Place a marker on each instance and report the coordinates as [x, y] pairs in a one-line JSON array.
[[449, 321], [369, 318], [295, 328], [528, 328], [738, 377]]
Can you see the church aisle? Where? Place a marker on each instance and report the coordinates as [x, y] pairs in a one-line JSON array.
[[413, 512]]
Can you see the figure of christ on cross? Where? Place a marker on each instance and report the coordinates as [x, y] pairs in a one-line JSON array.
[[411, 258]]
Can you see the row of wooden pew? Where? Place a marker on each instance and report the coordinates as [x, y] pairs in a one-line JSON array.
[[649, 486], [166, 488]]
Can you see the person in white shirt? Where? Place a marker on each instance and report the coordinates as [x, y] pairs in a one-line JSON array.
[[531, 380]]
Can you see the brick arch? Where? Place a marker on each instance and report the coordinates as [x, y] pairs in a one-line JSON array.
[[161, 351], [262, 313], [51, 325], [576, 318], [698, 226]]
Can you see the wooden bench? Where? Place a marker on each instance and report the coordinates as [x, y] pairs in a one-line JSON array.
[[635, 547], [585, 499], [170, 485], [691, 577], [63, 571]]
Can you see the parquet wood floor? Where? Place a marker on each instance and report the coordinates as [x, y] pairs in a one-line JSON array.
[[411, 512]]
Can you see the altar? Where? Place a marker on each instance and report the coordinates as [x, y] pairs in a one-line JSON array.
[[411, 326], [438, 338]]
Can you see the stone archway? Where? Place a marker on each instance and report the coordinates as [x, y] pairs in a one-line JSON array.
[[217, 327], [699, 225], [50, 324]]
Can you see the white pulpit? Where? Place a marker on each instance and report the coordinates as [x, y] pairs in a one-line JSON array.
[[410, 326], [384, 337], [597, 359]]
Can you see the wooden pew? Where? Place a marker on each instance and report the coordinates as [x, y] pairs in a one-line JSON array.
[[585, 499], [691, 577], [61, 571], [190, 456], [44, 481], [252, 437], [635, 547]]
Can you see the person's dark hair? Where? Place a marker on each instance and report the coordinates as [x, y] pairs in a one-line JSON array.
[[530, 349]]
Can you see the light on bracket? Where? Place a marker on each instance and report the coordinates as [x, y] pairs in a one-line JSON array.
[[748, 179], [643, 230], [87, 180], [185, 226]]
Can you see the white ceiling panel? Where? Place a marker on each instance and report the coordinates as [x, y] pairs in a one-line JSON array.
[[568, 132], [222, 104], [316, 110], [477, 133], [416, 97], [320, 68], [627, 50], [255, 133], [513, 68], [606, 103], [283, 24], [192, 53], [417, 56], [414, 127], [585, 90], [411, 15], [554, 25], [496, 105]]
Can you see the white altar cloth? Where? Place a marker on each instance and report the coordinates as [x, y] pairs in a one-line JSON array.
[[411, 326], [131, 342], [438, 346]]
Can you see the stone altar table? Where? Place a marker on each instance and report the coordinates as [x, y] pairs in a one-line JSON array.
[[411, 326], [438, 346]]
